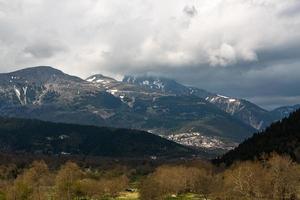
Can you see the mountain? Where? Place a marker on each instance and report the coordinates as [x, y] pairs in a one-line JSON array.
[[282, 137], [284, 111], [38, 75], [187, 115], [165, 85], [39, 137], [240, 109], [244, 110], [49, 94]]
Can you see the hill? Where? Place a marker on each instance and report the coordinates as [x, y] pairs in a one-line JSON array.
[[39, 137], [282, 137]]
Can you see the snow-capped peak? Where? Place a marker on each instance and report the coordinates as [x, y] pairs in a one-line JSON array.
[[99, 78]]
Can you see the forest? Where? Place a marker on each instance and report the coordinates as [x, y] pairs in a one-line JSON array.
[[271, 177], [264, 167]]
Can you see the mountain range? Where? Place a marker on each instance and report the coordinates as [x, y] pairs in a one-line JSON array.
[[187, 115]]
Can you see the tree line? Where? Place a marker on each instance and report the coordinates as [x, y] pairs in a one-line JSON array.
[[68, 183], [271, 177]]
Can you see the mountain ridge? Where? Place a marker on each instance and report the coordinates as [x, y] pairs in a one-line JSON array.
[[241, 109], [102, 101], [40, 137]]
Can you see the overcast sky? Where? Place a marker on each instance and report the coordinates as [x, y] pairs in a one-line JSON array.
[[243, 48]]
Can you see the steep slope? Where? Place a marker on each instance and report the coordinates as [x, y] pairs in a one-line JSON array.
[[282, 137], [170, 113], [33, 136], [284, 111], [49, 94], [243, 110], [240, 109]]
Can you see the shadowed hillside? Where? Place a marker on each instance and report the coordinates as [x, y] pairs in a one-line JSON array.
[[33, 136], [282, 137]]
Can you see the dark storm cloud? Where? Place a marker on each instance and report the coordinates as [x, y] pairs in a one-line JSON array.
[[248, 48], [43, 50], [291, 11]]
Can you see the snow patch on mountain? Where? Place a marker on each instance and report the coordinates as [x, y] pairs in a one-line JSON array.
[[100, 79], [91, 79], [112, 91], [18, 93], [21, 94], [225, 97], [229, 105]]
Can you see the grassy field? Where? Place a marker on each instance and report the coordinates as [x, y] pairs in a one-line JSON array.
[[135, 196], [128, 196]]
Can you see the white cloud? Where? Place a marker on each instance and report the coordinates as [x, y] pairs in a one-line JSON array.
[[125, 36], [223, 56], [119, 37]]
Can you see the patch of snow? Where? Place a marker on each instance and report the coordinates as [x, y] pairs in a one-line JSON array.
[[222, 96], [91, 79], [17, 91], [232, 100], [18, 94], [25, 93], [146, 82], [159, 84], [112, 91]]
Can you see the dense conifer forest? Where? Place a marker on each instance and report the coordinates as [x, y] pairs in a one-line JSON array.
[[282, 137]]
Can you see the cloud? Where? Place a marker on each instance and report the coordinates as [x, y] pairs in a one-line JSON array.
[[237, 47], [43, 50], [191, 11], [291, 11], [223, 56]]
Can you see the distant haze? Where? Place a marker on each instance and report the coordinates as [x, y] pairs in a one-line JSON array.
[[242, 48]]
